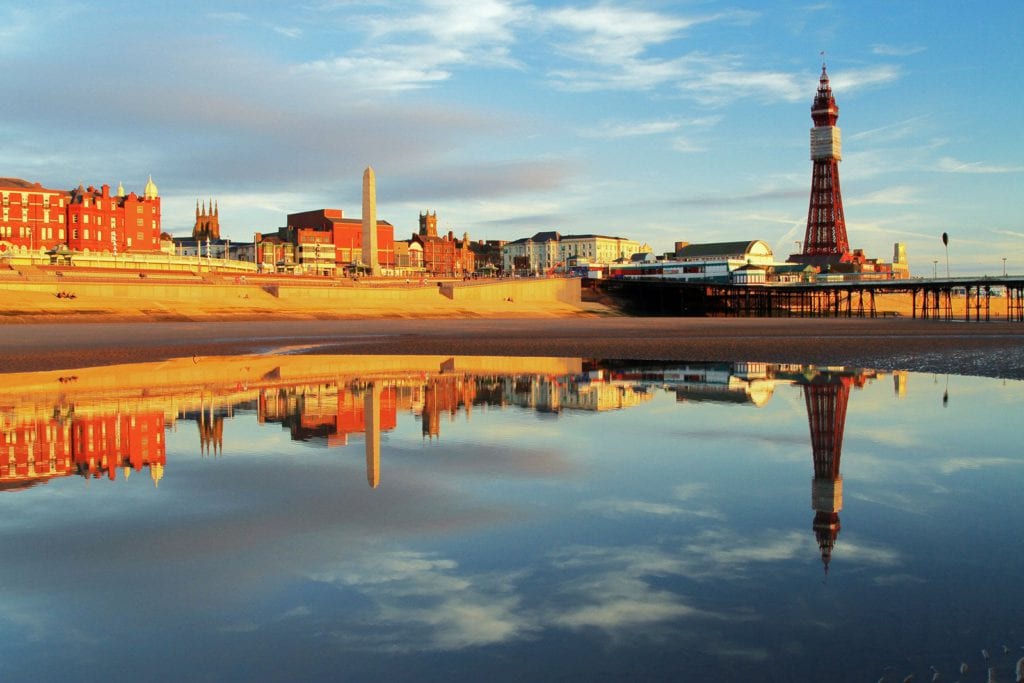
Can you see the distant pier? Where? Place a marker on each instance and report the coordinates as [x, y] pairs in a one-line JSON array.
[[930, 298]]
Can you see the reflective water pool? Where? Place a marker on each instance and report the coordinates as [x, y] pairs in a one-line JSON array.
[[426, 518]]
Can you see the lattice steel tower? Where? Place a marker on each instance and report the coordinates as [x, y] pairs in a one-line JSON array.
[[826, 226]]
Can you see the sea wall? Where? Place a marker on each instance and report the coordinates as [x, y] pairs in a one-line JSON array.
[[192, 296], [565, 290]]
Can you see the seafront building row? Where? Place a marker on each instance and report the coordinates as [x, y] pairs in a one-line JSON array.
[[60, 227], [46, 226]]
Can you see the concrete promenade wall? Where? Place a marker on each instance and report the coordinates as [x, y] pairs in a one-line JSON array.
[[204, 297], [566, 290]]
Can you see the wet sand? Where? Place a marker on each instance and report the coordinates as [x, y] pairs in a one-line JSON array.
[[986, 349]]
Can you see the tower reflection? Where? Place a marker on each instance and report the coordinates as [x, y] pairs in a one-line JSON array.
[[826, 395]]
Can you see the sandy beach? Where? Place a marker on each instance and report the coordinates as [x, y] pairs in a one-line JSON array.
[[985, 349]]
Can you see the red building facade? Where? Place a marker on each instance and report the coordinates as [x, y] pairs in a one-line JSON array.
[[37, 219], [443, 256], [34, 218], [346, 234]]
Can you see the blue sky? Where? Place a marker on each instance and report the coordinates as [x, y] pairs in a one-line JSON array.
[[657, 121]]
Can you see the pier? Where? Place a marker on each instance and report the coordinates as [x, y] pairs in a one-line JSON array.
[[931, 298]]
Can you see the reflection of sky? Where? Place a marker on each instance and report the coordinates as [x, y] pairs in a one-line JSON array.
[[668, 541]]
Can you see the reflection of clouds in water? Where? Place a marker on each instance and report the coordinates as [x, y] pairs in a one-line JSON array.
[[954, 465], [513, 432], [897, 579], [618, 507], [423, 602], [489, 458], [615, 591], [855, 552], [613, 507]]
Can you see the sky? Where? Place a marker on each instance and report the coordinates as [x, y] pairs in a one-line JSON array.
[[655, 121]]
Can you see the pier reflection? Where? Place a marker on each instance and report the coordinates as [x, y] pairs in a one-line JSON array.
[[95, 425]]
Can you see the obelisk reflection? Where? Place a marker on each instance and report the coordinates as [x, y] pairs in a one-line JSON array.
[[371, 411]]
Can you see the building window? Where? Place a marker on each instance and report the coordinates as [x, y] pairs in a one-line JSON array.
[[138, 222], [86, 236]]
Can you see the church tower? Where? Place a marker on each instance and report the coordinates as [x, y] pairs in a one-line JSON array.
[[207, 222], [428, 224], [825, 240]]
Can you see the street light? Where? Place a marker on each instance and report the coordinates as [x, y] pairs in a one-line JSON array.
[[945, 243], [935, 269], [1004, 266]]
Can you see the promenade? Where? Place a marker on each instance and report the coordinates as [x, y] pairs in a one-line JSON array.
[[53, 294]]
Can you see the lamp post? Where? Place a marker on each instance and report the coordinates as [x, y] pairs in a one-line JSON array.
[[935, 269], [945, 243], [1004, 266]]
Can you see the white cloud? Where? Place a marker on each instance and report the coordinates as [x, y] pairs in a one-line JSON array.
[[895, 51], [895, 195], [951, 165], [614, 35], [609, 130], [687, 145], [851, 80], [404, 68], [287, 31], [408, 52]]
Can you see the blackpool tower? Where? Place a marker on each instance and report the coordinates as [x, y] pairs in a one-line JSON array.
[[825, 241]]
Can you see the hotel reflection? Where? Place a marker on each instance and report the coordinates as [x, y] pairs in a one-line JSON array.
[[94, 435]]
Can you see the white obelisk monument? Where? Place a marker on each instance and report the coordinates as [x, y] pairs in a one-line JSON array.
[[370, 221]]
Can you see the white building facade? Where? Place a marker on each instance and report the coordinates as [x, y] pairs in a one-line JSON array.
[[550, 251]]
